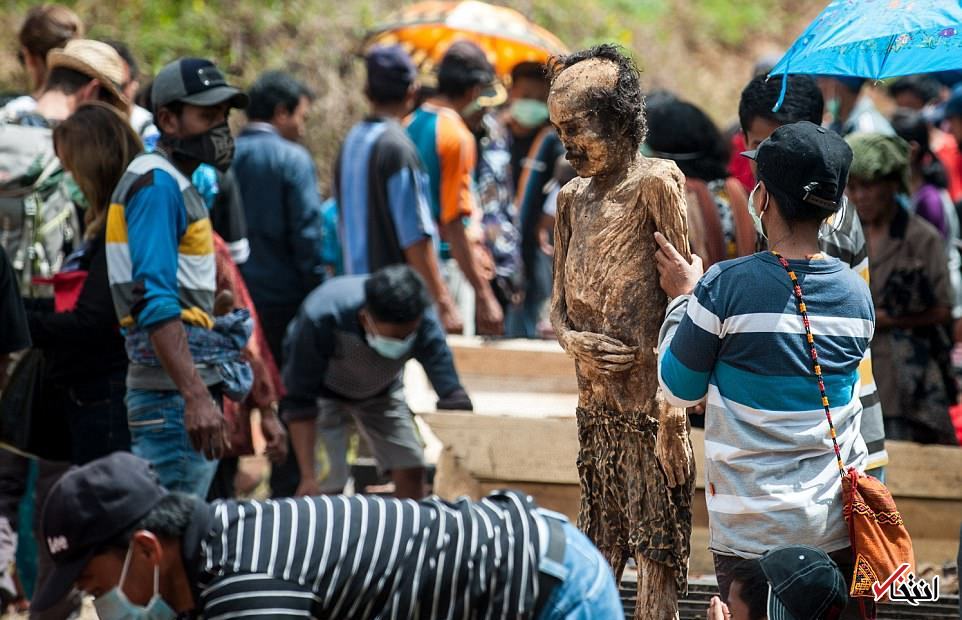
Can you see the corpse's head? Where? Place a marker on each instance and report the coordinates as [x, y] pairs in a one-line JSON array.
[[596, 105]]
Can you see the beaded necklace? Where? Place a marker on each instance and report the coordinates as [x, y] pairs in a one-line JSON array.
[[797, 289]]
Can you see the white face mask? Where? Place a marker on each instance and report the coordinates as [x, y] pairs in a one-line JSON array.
[[757, 215], [114, 605]]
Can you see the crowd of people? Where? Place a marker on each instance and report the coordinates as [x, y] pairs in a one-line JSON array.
[[161, 280]]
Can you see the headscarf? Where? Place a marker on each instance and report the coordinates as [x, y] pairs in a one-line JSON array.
[[877, 157]]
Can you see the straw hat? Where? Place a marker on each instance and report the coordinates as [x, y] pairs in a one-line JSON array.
[[94, 58]]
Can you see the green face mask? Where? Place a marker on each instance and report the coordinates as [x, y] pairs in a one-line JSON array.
[[834, 108], [529, 113], [471, 109]]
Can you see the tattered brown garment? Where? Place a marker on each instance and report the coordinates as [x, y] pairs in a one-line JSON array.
[[626, 505]]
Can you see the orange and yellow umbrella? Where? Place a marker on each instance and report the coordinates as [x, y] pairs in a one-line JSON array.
[[427, 29]]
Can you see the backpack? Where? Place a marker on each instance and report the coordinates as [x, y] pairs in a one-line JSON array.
[[38, 220]]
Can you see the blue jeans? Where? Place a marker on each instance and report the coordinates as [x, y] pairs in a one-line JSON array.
[[587, 590], [158, 435]]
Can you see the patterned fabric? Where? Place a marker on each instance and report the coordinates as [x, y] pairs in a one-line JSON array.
[[625, 500], [499, 215], [221, 347], [368, 557]]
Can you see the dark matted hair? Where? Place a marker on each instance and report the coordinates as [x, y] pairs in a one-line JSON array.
[[621, 106], [803, 101]]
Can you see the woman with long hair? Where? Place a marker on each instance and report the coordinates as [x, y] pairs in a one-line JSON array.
[[86, 364]]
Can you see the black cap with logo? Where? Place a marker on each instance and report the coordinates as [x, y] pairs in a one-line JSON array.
[[86, 509], [804, 584], [803, 163], [196, 81]]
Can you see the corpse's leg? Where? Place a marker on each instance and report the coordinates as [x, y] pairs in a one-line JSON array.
[[657, 591]]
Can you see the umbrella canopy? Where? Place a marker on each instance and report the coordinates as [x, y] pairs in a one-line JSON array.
[[879, 39], [427, 29]]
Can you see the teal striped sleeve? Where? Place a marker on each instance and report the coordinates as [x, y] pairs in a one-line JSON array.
[[688, 346]]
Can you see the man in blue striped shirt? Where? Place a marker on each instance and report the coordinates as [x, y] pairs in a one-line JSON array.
[[146, 553], [738, 336]]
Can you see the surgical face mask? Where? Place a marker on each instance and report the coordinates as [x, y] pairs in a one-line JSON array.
[[834, 108], [757, 215], [215, 147], [391, 348], [529, 113], [114, 605], [471, 109]]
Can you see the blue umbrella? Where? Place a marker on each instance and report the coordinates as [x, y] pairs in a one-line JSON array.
[[878, 39]]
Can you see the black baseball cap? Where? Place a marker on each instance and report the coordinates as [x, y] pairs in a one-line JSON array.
[[803, 584], [804, 163], [86, 509], [390, 71], [196, 81]]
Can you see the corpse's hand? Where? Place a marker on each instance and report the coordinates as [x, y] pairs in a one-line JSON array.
[[672, 447], [275, 435], [676, 275], [457, 400], [606, 354], [206, 426]]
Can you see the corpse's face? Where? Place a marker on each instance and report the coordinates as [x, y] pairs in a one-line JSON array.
[[593, 149]]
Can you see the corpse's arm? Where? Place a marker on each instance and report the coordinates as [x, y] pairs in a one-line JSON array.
[[562, 235]]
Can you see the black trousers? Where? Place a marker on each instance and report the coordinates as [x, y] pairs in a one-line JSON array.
[[274, 320]]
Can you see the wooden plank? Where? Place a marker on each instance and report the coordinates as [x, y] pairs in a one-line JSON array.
[[915, 470], [545, 450], [510, 448], [530, 365]]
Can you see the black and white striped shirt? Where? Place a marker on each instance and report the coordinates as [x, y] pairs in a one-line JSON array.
[[371, 557]]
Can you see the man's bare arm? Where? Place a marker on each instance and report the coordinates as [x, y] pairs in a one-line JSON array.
[[490, 316], [204, 423], [303, 438], [423, 259]]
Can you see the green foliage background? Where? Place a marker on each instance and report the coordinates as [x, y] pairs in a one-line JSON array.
[[702, 49]]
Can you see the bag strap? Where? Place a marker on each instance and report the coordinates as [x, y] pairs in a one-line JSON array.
[[803, 310]]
